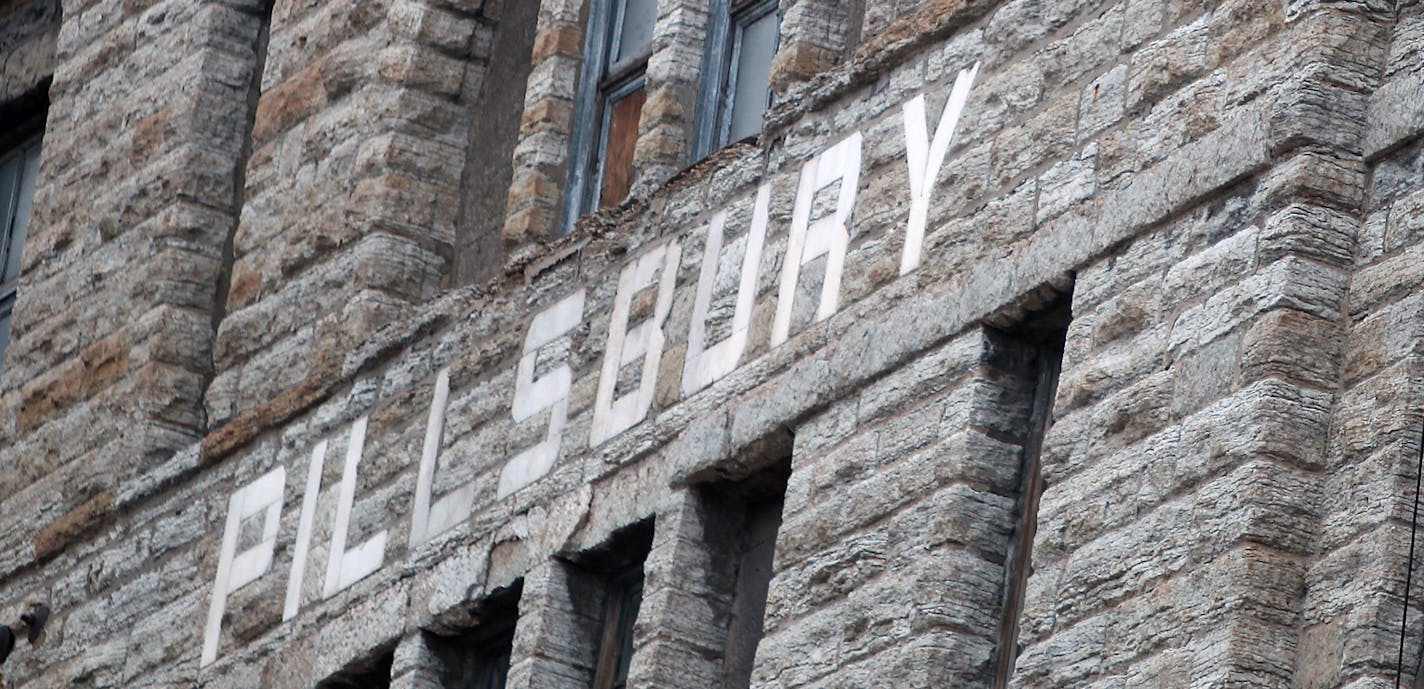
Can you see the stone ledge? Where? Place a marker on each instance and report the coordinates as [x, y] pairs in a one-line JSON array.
[[877, 55], [75, 525]]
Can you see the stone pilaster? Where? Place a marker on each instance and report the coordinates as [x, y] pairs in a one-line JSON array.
[[556, 640], [687, 597]]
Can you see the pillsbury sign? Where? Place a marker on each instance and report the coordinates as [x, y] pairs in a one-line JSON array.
[[546, 394]]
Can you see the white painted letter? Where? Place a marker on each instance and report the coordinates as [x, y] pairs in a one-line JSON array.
[[925, 160], [432, 520], [549, 393], [346, 567], [304, 533], [828, 236], [705, 365], [625, 345], [236, 570]]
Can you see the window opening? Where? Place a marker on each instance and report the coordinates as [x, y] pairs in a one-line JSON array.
[[1045, 331], [494, 663], [370, 674], [494, 115], [736, 90], [610, 105], [618, 570], [494, 670], [19, 173], [755, 504], [615, 653], [479, 657], [855, 24]]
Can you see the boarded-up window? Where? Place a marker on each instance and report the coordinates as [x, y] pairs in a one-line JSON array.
[[610, 105], [623, 116]]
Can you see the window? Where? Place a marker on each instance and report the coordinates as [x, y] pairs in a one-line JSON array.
[[19, 167], [615, 653], [616, 571], [479, 658], [494, 116], [1043, 334], [373, 673], [493, 663], [736, 92], [754, 505], [610, 104]]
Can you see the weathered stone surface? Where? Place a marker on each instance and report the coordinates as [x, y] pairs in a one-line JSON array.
[[255, 227]]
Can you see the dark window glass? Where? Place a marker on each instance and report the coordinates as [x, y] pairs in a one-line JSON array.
[[19, 169], [369, 674], [479, 657]]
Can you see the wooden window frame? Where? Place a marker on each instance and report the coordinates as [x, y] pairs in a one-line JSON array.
[[1047, 332], [728, 19], [601, 83], [622, 601]]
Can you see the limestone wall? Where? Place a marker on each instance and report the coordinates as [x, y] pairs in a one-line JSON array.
[[1221, 193]]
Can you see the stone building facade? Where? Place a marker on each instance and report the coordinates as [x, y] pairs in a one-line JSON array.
[[1031, 343]]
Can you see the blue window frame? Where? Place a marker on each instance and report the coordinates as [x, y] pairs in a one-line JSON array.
[[742, 39], [612, 90], [19, 169]]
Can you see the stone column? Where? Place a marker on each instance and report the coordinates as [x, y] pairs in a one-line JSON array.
[[556, 640], [416, 665], [125, 255], [665, 131], [815, 36], [353, 191], [899, 514], [1363, 466], [687, 596], [541, 158]]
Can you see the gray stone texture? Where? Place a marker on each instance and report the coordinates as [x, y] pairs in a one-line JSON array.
[[124, 256], [226, 267], [28, 34]]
